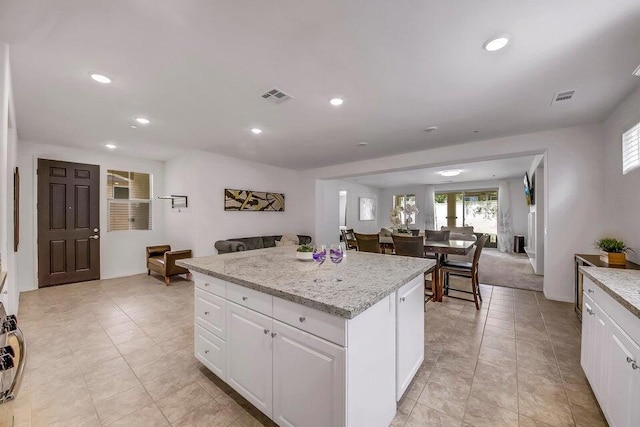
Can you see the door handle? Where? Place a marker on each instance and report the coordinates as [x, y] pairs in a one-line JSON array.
[[95, 230], [94, 237]]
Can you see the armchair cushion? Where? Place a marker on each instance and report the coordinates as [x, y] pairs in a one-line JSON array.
[[226, 246]]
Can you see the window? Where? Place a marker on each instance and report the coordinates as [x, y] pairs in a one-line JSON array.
[[402, 201], [478, 209], [129, 201], [631, 149]]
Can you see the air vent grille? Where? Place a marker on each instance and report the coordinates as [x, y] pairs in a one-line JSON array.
[[276, 95], [637, 71], [563, 96]]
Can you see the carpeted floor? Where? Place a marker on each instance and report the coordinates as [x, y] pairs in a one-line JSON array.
[[509, 270]]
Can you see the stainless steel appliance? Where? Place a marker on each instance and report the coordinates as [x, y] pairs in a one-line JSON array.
[[12, 356]]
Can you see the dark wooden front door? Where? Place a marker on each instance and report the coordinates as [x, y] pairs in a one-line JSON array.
[[68, 222]]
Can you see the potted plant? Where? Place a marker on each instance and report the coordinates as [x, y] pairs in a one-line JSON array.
[[305, 253], [612, 251]]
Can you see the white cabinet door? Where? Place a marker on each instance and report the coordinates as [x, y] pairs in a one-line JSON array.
[[623, 383], [308, 379], [249, 355], [588, 323], [600, 351], [410, 333]]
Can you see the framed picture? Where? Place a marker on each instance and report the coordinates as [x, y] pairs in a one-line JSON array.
[[246, 200], [367, 209]]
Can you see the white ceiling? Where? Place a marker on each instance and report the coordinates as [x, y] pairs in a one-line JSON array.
[[477, 171], [197, 69]]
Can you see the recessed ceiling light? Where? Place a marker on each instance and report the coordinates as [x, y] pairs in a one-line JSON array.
[[142, 120], [362, 144], [452, 172], [256, 131], [496, 43], [336, 101], [431, 129], [111, 146], [101, 78], [133, 126]]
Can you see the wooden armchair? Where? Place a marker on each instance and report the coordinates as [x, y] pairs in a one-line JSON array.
[[349, 238], [162, 260]]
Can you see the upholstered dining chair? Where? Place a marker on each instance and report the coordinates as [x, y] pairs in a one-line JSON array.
[[349, 238], [368, 242], [465, 269], [408, 245], [415, 231]]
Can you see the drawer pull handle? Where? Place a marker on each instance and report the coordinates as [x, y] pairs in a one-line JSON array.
[[401, 299], [206, 313], [590, 291], [634, 365], [273, 334], [590, 311], [630, 360], [206, 284], [266, 331], [206, 352], [245, 298], [302, 319]]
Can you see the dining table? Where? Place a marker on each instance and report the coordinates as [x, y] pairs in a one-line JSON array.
[[445, 247]]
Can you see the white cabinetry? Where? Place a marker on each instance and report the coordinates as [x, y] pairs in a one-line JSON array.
[[305, 366], [410, 333], [249, 355], [610, 356]]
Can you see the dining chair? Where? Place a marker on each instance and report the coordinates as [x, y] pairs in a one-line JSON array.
[[415, 231], [465, 269], [349, 238], [437, 236], [408, 245], [368, 242]]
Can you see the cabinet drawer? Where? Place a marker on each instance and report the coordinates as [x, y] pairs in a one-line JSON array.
[[594, 292], [210, 313], [210, 284], [211, 351], [257, 301], [316, 322]]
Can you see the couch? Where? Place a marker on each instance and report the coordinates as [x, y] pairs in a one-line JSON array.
[[250, 243], [162, 260]]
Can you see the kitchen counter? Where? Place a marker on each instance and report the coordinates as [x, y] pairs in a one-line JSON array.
[[366, 278], [622, 285]]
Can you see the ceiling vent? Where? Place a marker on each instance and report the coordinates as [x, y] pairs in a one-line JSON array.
[[276, 96], [637, 71], [563, 96]]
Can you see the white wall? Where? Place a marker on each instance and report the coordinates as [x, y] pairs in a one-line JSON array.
[[122, 253], [622, 192], [574, 183], [327, 227], [203, 176], [8, 162]]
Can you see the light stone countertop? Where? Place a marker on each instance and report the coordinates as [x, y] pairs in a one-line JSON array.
[[366, 278], [621, 284]]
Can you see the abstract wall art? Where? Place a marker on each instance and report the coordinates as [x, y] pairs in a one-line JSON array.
[[246, 200], [367, 209]]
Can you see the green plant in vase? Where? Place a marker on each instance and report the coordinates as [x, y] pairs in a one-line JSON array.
[[613, 251]]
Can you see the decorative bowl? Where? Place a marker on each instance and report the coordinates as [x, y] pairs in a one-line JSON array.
[[304, 256]]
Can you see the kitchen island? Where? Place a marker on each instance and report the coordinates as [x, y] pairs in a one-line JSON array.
[[307, 353]]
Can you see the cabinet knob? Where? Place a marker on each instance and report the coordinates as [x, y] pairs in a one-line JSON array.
[[206, 313], [206, 352], [206, 284], [590, 291], [590, 311], [402, 299], [302, 319], [266, 331], [634, 365], [245, 298], [273, 334]]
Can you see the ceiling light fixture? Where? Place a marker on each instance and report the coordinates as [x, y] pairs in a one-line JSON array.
[[496, 43], [362, 144], [133, 126], [101, 78], [111, 146], [256, 131], [431, 129], [452, 172], [336, 101], [143, 121]]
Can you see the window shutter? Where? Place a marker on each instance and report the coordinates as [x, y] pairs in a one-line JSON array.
[[631, 149], [118, 216], [140, 187]]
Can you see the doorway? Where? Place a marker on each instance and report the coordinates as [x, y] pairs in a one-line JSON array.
[[68, 222], [477, 209]]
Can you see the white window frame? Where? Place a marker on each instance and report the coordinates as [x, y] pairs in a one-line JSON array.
[[130, 202], [631, 149]]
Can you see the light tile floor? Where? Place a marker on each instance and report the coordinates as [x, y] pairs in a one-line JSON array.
[[120, 353]]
